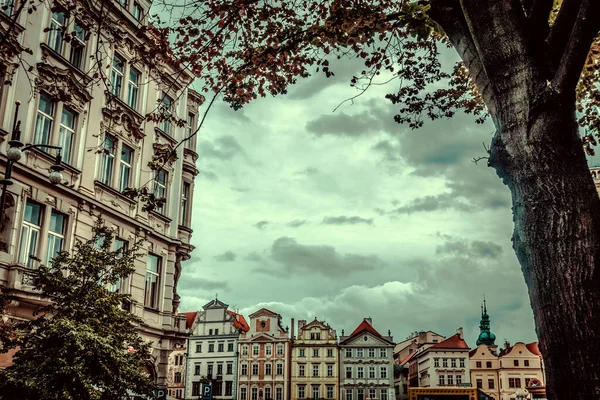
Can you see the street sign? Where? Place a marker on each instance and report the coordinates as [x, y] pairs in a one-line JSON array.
[[161, 393], [206, 392]]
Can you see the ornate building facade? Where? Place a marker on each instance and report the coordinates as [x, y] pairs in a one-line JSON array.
[[87, 97], [264, 359], [366, 364], [315, 367]]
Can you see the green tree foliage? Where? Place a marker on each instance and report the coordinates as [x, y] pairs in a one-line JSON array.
[[82, 345]]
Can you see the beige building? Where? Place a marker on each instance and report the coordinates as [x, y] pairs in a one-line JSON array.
[[89, 95], [264, 359], [315, 368]]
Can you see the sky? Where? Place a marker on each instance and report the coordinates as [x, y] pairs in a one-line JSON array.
[[345, 215]]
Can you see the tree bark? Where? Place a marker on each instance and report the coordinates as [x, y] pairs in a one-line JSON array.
[[538, 154]]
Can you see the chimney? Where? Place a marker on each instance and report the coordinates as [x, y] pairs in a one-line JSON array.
[[293, 326], [369, 320], [342, 332], [389, 333], [301, 324], [460, 332]]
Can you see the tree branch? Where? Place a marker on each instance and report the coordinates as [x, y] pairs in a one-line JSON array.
[[586, 28], [538, 14], [561, 30], [448, 14]]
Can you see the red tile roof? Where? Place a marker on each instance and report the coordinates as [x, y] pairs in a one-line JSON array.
[[472, 353], [239, 321], [453, 342], [365, 326], [407, 358], [533, 347], [190, 318]]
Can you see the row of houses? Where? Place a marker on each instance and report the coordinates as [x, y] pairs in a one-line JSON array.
[[263, 360]]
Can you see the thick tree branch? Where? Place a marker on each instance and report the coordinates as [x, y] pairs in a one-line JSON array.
[[586, 28], [561, 30], [449, 15], [538, 15]]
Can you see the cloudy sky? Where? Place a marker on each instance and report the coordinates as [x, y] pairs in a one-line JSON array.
[[344, 215]]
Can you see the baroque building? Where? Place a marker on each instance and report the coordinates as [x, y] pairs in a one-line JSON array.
[[366, 364], [263, 370], [213, 351], [89, 98], [315, 368]]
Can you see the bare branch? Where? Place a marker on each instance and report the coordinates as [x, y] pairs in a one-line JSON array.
[[561, 30]]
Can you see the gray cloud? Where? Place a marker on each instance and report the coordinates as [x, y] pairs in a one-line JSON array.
[[325, 260], [261, 224], [433, 203], [296, 223], [254, 256], [194, 283], [460, 247], [223, 148], [344, 220], [210, 175], [389, 150], [228, 256]]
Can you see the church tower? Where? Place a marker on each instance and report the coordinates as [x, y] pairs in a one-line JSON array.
[[486, 336]]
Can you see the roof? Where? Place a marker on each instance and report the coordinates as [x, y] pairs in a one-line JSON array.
[[190, 317], [533, 347], [216, 303], [364, 326], [264, 311], [407, 358], [239, 321], [453, 342]]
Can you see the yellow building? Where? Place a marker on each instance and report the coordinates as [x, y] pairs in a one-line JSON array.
[[87, 95], [315, 367]]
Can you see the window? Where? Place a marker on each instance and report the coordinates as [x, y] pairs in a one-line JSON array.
[[221, 347], [197, 369], [279, 349], [479, 383], [371, 352], [360, 372], [301, 370], [359, 353], [120, 246], [268, 369], [300, 391], [461, 362], [450, 380], [166, 110], [436, 362], [348, 394], [160, 189], [254, 393], [228, 388], [138, 12], [190, 129], [66, 134], [153, 265], [230, 346], [229, 368], [442, 380], [372, 394], [516, 362], [216, 331], [445, 363], [6, 6], [491, 384], [383, 395], [267, 393], [244, 369], [371, 372], [77, 46], [315, 352], [244, 350], [278, 393], [383, 353], [220, 369], [279, 369], [383, 372], [198, 347], [488, 364], [526, 363], [211, 347], [209, 369], [57, 27], [329, 352], [177, 377], [255, 350], [330, 370], [453, 362], [315, 370], [133, 85], [458, 380], [195, 388], [268, 350], [242, 393], [116, 76], [348, 353], [123, 3], [56, 235], [301, 353], [125, 167], [315, 392], [330, 392], [360, 394], [348, 372], [30, 233], [108, 160], [44, 120], [478, 364]]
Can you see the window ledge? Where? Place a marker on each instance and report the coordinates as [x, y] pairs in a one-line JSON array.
[[51, 159], [113, 192], [185, 229], [47, 50], [158, 215], [165, 135]]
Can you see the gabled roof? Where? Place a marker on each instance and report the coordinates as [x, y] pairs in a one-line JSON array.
[[239, 321], [264, 311], [533, 347], [190, 317], [314, 323], [407, 358], [216, 303], [364, 326], [453, 342]]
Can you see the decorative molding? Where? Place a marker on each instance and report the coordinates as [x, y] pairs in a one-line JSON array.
[[62, 85], [121, 115]]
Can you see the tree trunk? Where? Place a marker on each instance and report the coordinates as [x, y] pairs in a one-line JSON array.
[[556, 212]]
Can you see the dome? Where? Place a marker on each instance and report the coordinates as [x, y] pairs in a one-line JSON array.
[[486, 338]]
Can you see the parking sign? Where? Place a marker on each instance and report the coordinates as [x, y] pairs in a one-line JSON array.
[[206, 392]]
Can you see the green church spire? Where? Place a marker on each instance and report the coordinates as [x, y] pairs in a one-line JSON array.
[[486, 336]]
